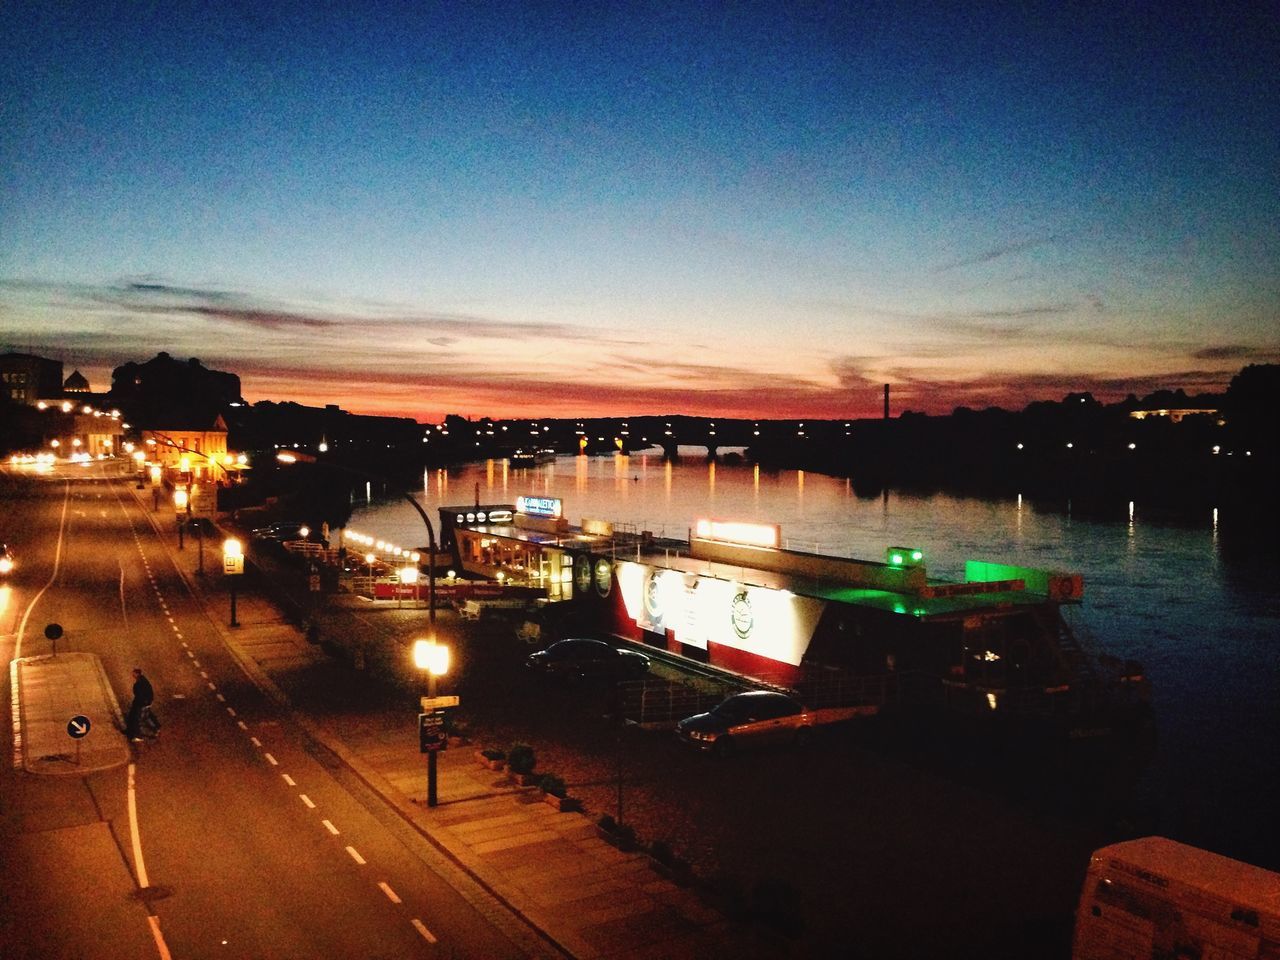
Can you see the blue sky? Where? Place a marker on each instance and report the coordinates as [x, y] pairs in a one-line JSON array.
[[560, 209]]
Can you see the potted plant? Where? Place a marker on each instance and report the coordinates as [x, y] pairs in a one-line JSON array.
[[665, 862], [620, 835], [491, 758], [520, 763], [555, 793]]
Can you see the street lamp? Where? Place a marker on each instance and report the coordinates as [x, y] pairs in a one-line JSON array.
[[181, 503], [432, 657], [233, 567], [408, 577]]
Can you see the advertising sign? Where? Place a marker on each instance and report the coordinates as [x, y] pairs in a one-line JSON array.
[[540, 506]]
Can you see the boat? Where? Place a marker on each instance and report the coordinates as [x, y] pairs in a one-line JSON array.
[[531, 458]]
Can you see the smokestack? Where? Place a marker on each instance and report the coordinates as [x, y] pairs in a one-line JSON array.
[[886, 401]]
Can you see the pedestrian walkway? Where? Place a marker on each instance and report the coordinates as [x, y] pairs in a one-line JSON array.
[[588, 899], [66, 719]]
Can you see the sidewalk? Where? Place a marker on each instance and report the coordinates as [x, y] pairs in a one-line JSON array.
[[588, 899], [49, 692]]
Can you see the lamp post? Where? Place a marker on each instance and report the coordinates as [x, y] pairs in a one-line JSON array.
[[181, 502], [369, 558], [432, 657], [233, 567]]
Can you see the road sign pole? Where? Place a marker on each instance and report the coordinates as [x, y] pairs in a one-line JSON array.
[[233, 603]]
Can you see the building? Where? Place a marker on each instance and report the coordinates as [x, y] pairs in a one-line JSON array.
[[192, 445], [28, 379]]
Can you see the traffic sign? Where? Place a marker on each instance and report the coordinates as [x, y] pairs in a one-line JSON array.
[[431, 735], [233, 564], [78, 727], [439, 703]]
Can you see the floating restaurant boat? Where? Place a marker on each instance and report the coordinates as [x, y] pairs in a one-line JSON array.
[[531, 458], [993, 645]]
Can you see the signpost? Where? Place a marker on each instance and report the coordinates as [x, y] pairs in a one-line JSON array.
[[77, 730], [233, 568]]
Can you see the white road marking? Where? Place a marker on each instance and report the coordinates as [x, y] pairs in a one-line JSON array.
[[330, 827], [288, 779], [355, 856], [191, 655], [422, 929], [255, 741], [391, 894], [211, 685], [231, 711], [311, 804], [139, 866], [221, 699], [203, 674], [161, 947], [241, 725], [272, 760]]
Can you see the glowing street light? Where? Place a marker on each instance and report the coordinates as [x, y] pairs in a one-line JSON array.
[[232, 567], [432, 657]]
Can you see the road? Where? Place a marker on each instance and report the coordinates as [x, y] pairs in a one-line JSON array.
[[232, 834]]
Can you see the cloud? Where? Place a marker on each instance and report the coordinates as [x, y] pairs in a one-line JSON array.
[[1004, 250], [1232, 352]]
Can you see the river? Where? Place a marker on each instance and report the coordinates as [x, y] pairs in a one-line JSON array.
[[1195, 598]]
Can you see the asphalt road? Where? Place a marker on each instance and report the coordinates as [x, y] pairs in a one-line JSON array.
[[250, 841]]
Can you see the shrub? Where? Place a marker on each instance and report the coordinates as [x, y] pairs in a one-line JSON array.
[[623, 831], [491, 754], [520, 758], [553, 785]]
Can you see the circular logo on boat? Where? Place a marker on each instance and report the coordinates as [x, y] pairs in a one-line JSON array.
[[741, 615], [652, 597], [582, 572], [604, 577]]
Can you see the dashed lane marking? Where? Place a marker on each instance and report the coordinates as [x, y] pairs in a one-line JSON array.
[[254, 740], [330, 827], [355, 856], [422, 929], [391, 894], [288, 779], [272, 760], [311, 804]]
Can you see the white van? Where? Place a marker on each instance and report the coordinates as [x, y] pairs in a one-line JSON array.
[[1156, 898]]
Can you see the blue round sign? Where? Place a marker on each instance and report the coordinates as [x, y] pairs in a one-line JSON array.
[[77, 727]]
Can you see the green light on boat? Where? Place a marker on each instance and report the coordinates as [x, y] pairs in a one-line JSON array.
[[904, 556]]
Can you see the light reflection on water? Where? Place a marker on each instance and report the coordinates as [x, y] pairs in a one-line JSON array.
[[1206, 626]]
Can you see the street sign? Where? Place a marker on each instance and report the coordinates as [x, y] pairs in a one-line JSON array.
[[77, 727], [439, 703], [431, 731], [233, 564]]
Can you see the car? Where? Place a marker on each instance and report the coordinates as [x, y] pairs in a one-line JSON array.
[[754, 718], [202, 527], [7, 560], [281, 531], [582, 659]]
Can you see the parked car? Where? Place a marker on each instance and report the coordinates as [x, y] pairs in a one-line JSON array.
[[202, 527], [759, 717], [580, 659], [7, 561], [281, 531]]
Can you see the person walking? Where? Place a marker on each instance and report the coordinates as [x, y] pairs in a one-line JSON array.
[[143, 696]]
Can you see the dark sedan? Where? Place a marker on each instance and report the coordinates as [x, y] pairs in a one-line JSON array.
[[588, 659], [757, 717]]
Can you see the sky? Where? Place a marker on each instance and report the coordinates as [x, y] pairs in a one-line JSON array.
[[737, 209]]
